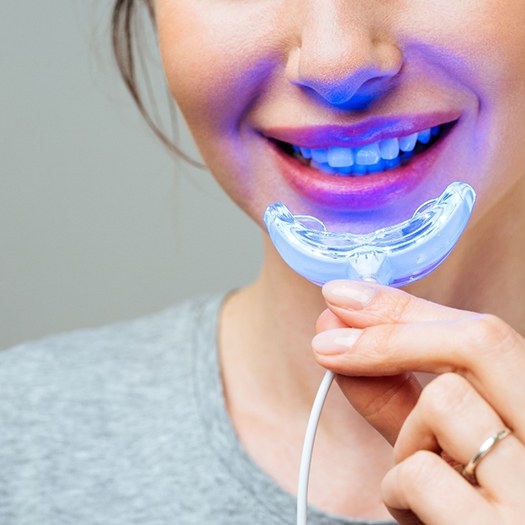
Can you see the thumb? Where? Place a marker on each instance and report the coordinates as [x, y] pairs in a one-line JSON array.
[[384, 402]]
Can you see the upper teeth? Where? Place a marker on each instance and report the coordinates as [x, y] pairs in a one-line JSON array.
[[388, 149]]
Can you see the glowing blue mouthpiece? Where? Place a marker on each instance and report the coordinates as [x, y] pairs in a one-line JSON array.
[[396, 255]]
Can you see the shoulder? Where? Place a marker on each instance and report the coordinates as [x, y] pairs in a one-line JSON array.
[[93, 360], [101, 417]]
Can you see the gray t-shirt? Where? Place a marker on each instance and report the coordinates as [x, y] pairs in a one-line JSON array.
[[125, 425]]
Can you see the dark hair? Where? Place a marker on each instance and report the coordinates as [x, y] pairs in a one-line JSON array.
[[123, 34]]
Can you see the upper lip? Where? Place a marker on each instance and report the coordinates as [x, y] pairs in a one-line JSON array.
[[360, 134]]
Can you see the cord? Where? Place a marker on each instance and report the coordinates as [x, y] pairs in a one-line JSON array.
[[309, 438]]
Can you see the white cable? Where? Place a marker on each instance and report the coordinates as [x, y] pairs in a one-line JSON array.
[[309, 438]]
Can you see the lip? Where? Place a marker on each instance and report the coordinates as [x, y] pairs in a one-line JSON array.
[[357, 194], [361, 134]]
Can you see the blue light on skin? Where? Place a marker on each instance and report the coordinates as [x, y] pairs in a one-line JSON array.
[[397, 255], [340, 101]]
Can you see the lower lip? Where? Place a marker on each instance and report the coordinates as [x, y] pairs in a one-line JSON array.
[[367, 192]]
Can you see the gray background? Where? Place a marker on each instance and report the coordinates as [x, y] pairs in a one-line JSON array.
[[97, 221]]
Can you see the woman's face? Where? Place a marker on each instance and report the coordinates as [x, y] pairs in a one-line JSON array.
[[354, 81]]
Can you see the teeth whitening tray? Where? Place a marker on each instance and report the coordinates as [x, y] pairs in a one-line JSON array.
[[395, 256]]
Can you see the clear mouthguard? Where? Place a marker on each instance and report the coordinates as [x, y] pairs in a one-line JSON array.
[[396, 255]]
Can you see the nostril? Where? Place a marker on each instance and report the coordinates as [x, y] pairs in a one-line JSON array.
[[357, 103]]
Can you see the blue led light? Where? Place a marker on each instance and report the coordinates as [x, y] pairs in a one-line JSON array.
[[397, 255]]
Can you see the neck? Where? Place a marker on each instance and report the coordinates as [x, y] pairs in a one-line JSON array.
[[279, 312], [269, 325]]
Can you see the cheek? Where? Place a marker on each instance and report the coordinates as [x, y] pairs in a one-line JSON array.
[[479, 48], [482, 38], [215, 58], [497, 55], [217, 61]]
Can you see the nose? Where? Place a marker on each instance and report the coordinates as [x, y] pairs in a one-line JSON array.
[[344, 55]]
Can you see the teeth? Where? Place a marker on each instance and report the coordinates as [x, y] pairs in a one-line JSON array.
[[345, 170], [408, 143], [376, 167], [359, 170], [424, 136], [340, 157], [381, 155], [306, 153], [392, 163], [389, 148], [320, 155], [368, 155], [323, 166]]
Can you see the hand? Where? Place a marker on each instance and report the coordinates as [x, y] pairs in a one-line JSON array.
[[479, 390]]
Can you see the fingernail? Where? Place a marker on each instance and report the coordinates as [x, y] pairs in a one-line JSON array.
[[335, 341], [351, 294]]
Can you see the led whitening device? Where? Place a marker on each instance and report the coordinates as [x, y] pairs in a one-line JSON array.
[[396, 256]]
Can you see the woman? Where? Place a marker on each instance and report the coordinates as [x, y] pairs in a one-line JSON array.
[[310, 103]]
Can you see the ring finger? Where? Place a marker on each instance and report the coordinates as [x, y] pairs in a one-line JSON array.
[[451, 416]]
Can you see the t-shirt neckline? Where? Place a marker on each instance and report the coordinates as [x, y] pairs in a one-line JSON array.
[[221, 434]]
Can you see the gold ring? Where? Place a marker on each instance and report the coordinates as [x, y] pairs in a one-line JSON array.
[[469, 470]]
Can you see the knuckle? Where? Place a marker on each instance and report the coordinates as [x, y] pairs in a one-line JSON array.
[[492, 329], [487, 335], [445, 395], [416, 470]]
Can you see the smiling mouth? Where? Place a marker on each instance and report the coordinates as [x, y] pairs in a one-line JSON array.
[[381, 156]]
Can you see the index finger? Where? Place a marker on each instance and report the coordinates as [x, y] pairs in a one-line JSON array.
[[362, 304]]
